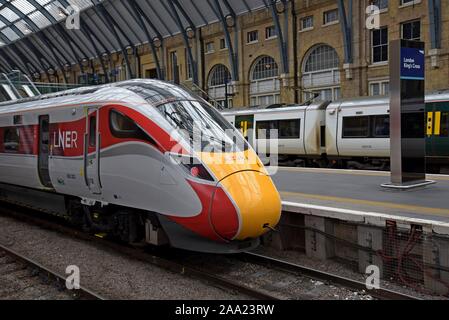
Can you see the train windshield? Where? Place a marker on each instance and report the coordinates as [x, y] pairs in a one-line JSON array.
[[203, 126]]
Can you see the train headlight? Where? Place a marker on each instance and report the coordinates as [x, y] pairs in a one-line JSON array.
[[192, 166]]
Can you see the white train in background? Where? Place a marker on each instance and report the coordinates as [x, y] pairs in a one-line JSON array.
[[353, 134]]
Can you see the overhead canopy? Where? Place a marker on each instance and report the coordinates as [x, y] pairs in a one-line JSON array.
[[34, 37]]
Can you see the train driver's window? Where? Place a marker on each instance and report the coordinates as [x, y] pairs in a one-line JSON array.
[[124, 127], [444, 124], [356, 127], [11, 140]]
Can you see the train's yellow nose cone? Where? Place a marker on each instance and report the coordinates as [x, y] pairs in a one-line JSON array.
[[243, 176], [258, 202]]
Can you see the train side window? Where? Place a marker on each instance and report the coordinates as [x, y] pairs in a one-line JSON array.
[[289, 129], [93, 131], [11, 139], [381, 126], [124, 127], [265, 125], [356, 127], [444, 124]]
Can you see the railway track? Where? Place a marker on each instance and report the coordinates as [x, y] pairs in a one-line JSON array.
[[179, 265], [382, 294], [24, 278], [139, 254]]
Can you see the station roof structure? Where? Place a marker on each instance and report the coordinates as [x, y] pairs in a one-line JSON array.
[[34, 37]]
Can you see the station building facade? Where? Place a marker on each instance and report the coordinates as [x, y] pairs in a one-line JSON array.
[[316, 62]]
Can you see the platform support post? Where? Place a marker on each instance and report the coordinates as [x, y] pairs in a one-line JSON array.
[[317, 244], [407, 115], [436, 254], [371, 238]]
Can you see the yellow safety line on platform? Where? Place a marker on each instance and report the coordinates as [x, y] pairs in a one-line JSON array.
[[354, 172], [417, 209]]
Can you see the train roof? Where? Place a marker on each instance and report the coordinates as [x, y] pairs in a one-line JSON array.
[[132, 92], [269, 109], [433, 96]]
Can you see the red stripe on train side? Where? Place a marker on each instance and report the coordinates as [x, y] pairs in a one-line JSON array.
[[67, 138]]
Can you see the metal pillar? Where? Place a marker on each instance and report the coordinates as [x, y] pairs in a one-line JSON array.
[[109, 21], [346, 26], [407, 115], [280, 34], [233, 56], [139, 16], [193, 66], [435, 23]]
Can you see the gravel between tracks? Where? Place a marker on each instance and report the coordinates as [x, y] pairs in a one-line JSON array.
[[104, 271]]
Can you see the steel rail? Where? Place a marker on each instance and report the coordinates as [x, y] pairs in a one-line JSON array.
[[137, 253], [382, 294], [82, 293]]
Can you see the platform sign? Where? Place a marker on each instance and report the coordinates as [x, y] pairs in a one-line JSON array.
[[412, 64], [407, 114]]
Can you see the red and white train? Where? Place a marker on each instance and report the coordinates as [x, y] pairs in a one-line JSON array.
[[119, 159]]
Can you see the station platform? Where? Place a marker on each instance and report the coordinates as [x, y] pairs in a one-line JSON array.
[[357, 196]]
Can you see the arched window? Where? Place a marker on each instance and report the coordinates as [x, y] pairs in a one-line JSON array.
[[218, 77], [265, 83], [321, 73]]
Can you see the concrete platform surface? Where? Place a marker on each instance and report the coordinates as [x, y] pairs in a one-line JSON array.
[[350, 191]]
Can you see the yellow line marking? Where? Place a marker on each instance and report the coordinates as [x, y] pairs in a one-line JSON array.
[[409, 208], [354, 172]]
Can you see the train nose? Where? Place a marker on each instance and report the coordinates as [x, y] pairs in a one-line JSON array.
[[257, 200]]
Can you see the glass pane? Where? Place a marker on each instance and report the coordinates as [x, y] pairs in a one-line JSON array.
[[375, 91], [289, 129], [201, 122], [11, 140], [444, 124], [381, 126], [219, 76], [356, 127], [265, 68]]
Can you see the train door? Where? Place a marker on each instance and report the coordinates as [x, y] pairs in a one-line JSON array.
[[246, 126], [92, 145], [44, 149]]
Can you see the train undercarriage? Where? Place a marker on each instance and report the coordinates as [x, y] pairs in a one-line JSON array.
[[127, 225]]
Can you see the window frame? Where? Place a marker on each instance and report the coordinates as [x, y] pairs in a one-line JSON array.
[[444, 124], [276, 125], [325, 15], [386, 44], [382, 9], [370, 130], [273, 36], [302, 20], [343, 126], [412, 22], [138, 133], [223, 45], [382, 91], [254, 32], [209, 47], [403, 4], [17, 135]]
